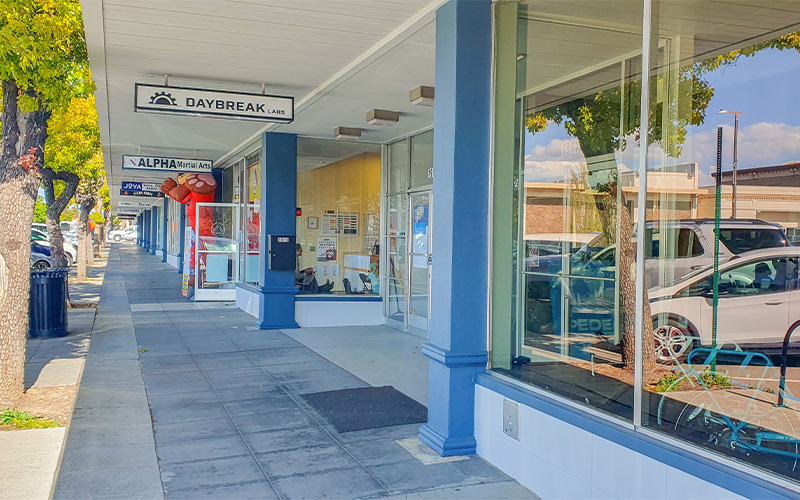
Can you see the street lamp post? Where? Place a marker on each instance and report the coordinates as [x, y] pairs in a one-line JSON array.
[[735, 152]]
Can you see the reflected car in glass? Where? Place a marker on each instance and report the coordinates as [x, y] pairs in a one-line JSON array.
[[758, 302]]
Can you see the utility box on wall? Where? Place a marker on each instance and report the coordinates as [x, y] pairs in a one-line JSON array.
[[281, 252]]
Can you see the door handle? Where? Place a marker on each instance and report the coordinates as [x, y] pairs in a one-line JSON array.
[[696, 267], [773, 302]]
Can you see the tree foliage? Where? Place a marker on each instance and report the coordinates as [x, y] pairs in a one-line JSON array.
[[39, 210], [42, 48]]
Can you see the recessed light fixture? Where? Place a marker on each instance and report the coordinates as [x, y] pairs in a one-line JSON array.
[[382, 117], [421, 96], [347, 133]]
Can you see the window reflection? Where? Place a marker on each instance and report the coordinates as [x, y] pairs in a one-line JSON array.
[[713, 367]]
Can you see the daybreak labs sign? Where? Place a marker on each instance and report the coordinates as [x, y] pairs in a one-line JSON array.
[[131, 162], [219, 103]]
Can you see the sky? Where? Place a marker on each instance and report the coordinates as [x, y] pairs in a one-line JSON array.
[[765, 87]]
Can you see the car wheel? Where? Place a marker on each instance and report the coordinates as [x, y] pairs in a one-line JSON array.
[[40, 265], [673, 339], [117, 237], [70, 260]]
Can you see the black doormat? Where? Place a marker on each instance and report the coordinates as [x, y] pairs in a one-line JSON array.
[[366, 408]]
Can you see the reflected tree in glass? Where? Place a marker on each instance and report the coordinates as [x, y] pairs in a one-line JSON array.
[[603, 125]]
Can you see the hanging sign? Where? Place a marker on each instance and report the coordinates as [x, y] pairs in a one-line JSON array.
[[144, 189], [140, 186], [130, 162], [133, 204], [144, 194], [127, 211], [219, 103]]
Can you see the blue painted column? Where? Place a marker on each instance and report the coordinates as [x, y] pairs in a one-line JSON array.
[[278, 216], [153, 230], [460, 213], [139, 229], [146, 245], [182, 238], [165, 228]]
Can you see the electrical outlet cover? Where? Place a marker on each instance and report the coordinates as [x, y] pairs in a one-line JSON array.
[[511, 418]]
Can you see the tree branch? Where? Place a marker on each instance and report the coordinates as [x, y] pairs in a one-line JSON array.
[[57, 205], [10, 130]]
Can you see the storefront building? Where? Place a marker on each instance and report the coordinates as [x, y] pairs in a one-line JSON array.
[[583, 356]]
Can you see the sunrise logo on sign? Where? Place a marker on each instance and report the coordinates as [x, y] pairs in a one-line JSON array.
[[162, 98]]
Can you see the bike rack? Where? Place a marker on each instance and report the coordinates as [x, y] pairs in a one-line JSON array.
[[784, 362]]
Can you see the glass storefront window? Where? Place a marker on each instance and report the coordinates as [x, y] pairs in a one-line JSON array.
[[422, 160], [398, 167], [579, 155], [600, 175], [174, 226], [251, 222], [718, 386], [338, 233]]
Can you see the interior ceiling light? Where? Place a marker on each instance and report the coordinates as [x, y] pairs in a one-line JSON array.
[[347, 133], [382, 117], [421, 96]]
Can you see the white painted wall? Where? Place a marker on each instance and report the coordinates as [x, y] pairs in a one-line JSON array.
[[172, 260], [337, 313], [315, 313], [557, 460], [247, 301]]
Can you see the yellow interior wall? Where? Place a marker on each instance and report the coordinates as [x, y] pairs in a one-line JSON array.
[[349, 185]]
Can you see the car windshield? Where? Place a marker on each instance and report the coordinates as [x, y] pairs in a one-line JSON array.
[[743, 240]]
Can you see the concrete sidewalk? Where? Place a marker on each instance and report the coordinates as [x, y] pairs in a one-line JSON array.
[[187, 400]]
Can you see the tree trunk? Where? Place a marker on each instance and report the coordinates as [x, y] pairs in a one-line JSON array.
[[85, 246], [20, 157], [55, 207], [627, 284]]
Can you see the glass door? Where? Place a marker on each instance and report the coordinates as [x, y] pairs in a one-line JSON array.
[[217, 251], [419, 260]]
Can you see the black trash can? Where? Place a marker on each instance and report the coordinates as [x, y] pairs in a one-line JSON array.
[[48, 307]]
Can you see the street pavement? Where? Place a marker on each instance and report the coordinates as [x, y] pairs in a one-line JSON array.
[[190, 400]]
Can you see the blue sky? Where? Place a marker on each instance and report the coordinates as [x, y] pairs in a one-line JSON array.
[[765, 87]]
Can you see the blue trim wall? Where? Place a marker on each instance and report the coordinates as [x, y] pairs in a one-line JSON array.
[[737, 481], [166, 229], [338, 298], [459, 281], [278, 204], [182, 238]]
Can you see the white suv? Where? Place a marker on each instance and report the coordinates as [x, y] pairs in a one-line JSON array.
[[677, 248]]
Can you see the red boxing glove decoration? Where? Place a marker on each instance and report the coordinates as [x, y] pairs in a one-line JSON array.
[[190, 189]]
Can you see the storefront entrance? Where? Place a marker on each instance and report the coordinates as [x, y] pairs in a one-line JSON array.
[[408, 231]]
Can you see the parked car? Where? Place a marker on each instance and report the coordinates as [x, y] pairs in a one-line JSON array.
[[70, 237], [128, 234], [40, 256], [759, 301], [688, 245], [70, 251]]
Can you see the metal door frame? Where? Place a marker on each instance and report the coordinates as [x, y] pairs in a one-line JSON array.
[[427, 191], [218, 294]]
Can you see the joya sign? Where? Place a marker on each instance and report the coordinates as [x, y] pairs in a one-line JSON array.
[[186, 100], [139, 186], [131, 162]]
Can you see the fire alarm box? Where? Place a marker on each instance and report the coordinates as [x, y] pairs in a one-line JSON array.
[[281, 252]]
